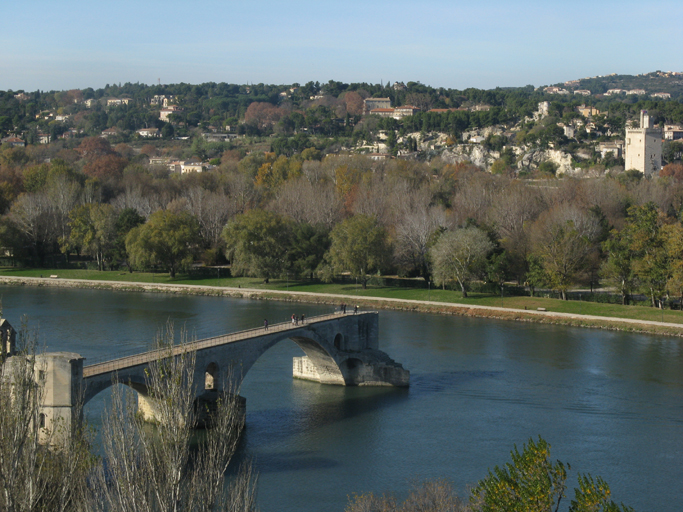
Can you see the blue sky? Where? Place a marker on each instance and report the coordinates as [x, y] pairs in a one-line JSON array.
[[487, 43]]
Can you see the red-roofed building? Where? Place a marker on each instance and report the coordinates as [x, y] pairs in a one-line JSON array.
[[15, 142], [382, 112], [405, 110]]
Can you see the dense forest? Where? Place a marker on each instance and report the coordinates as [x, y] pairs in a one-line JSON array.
[[293, 194]]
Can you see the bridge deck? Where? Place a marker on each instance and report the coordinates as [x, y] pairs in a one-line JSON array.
[[153, 355]]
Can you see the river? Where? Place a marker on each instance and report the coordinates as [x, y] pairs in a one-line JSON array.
[[610, 403]]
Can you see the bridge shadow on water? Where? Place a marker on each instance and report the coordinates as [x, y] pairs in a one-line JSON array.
[[279, 425]]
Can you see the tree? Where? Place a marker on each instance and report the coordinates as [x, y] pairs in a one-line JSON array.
[[643, 230], [40, 468], [93, 230], [127, 219], [31, 214], [498, 269], [618, 269], [675, 171], [563, 239], [428, 496], [257, 243], [359, 246], [354, 103], [167, 131], [415, 228], [92, 148], [673, 246], [308, 247], [535, 274], [212, 210], [167, 239], [262, 115], [157, 469], [533, 483], [459, 255], [106, 167]]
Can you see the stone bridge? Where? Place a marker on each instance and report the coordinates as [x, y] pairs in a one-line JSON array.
[[340, 349]]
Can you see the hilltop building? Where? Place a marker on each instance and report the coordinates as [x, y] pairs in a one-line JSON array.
[[644, 147], [673, 132], [371, 104]]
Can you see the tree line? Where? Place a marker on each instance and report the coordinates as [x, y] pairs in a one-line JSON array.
[[331, 109], [310, 215]]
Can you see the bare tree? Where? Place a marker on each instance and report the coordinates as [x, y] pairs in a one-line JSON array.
[[242, 191], [62, 195], [373, 199], [474, 197], [213, 210], [563, 238], [303, 201], [31, 213], [459, 255], [42, 467], [134, 197], [417, 222], [156, 470], [512, 209], [431, 495]]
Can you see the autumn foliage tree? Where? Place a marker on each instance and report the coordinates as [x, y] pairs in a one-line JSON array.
[[674, 171], [92, 148], [262, 114], [106, 167]]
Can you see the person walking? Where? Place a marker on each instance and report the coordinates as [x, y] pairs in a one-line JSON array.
[[355, 310], [265, 324], [303, 318]]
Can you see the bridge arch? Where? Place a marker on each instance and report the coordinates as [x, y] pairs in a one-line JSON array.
[[133, 380], [318, 348]]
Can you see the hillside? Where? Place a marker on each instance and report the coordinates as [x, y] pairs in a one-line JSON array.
[[657, 81]]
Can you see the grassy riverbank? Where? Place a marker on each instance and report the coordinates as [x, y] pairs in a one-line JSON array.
[[393, 293]]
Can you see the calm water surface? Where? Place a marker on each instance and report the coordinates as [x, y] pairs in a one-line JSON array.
[[609, 403]]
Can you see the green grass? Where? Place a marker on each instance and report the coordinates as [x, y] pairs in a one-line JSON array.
[[393, 292]]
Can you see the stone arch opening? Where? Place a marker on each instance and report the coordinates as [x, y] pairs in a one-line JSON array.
[[339, 341], [318, 364], [211, 377]]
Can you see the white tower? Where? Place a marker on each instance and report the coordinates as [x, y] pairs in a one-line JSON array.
[[644, 147]]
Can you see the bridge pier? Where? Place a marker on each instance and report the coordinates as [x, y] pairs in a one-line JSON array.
[[370, 368]]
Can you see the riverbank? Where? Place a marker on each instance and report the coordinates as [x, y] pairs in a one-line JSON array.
[[364, 301]]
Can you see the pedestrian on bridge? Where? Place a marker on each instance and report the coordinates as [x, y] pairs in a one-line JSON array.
[[265, 324], [302, 319]]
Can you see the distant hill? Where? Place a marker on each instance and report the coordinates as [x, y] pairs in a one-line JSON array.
[[657, 81]]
